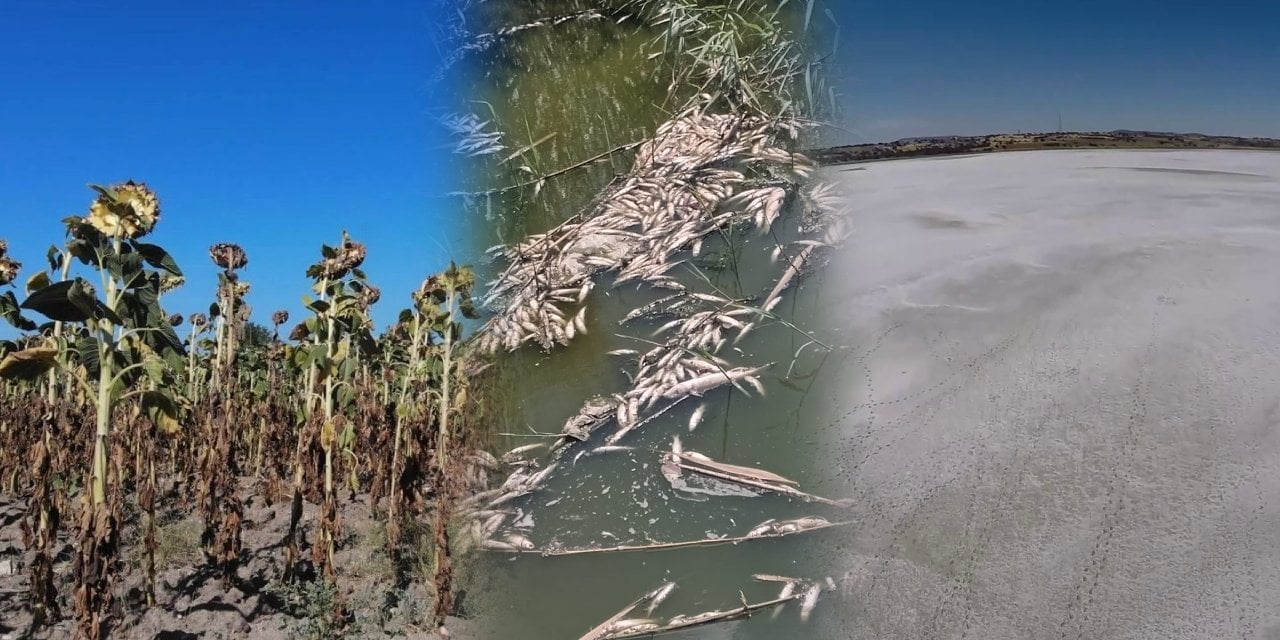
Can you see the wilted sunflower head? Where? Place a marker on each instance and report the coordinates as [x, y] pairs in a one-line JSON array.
[[4, 247], [369, 296], [352, 253], [175, 320], [199, 319], [169, 283], [9, 269], [280, 317], [349, 255], [228, 256], [300, 332], [128, 210]]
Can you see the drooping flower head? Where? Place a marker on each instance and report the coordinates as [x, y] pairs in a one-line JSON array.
[[9, 269], [280, 317], [339, 261], [228, 256], [169, 283], [175, 320], [369, 296], [300, 332], [8, 266], [199, 319], [128, 210]]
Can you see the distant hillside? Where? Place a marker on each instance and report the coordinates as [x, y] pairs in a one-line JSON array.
[[1119, 139]]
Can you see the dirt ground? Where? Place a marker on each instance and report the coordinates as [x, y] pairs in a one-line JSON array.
[[1061, 416], [192, 603]]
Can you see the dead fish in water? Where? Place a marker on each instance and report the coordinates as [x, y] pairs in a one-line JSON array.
[[659, 595], [768, 527], [737, 470], [767, 577], [633, 625], [516, 479], [788, 590], [476, 499], [519, 452], [810, 522], [610, 448], [497, 545], [810, 599], [696, 418], [519, 541], [541, 476], [492, 523], [701, 384]]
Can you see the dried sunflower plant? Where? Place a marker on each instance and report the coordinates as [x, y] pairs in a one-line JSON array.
[[116, 424]]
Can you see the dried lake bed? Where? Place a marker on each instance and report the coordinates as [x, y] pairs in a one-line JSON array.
[[1060, 411]]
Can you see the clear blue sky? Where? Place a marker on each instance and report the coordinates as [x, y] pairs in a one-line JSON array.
[[270, 124], [937, 67]]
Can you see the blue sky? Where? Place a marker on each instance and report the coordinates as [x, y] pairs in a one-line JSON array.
[[937, 67], [274, 125]]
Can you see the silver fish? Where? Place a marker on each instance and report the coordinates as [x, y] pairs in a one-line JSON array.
[[696, 418], [659, 595], [519, 541], [810, 599], [788, 590]]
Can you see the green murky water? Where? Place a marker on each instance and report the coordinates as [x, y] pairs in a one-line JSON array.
[[567, 93]]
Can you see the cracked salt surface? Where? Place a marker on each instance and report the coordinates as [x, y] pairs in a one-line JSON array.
[[1086, 441]]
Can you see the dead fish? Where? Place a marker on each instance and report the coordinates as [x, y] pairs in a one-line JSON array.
[[702, 384], [659, 595], [788, 590], [519, 451], [696, 418], [755, 382], [519, 541], [810, 599], [810, 522], [738, 470], [517, 478], [768, 577], [767, 527], [610, 448], [504, 498], [478, 498], [497, 545], [541, 476], [634, 625], [492, 523]]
